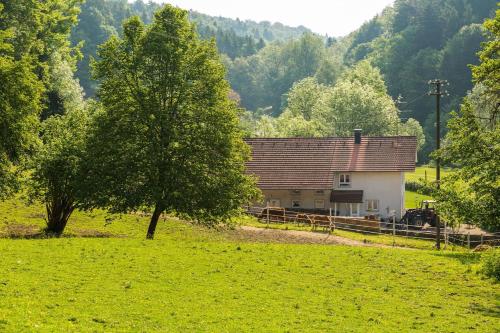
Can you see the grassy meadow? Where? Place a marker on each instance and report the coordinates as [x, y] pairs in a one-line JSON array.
[[108, 278], [422, 171], [413, 199]]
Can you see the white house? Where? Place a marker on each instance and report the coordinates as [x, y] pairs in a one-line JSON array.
[[353, 176]]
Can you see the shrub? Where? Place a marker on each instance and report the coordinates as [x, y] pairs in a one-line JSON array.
[[490, 263], [420, 187]]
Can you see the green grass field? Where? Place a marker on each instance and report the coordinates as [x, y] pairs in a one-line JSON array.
[[197, 280], [413, 199], [422, 171]]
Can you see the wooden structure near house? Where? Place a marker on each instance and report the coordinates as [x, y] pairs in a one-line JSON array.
[[316, 221]]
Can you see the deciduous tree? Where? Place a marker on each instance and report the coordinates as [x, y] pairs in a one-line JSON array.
[[168, 138], [56, 169], [20, 94], [473, 144]]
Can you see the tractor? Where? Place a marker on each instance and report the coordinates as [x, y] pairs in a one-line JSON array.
[[417, 218]]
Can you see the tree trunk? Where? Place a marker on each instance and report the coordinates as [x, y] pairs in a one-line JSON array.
[[58, 212], [154, 221]]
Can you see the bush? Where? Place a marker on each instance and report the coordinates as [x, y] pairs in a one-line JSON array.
[[490, 263], [420, 187]]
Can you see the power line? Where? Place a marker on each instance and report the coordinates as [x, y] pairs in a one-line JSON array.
[[415, 99]]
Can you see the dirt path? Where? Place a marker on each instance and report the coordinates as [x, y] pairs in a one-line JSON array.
[[296, 237]]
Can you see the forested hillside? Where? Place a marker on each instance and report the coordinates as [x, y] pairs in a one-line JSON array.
[[418, 40], [99, 19], [409, 43]]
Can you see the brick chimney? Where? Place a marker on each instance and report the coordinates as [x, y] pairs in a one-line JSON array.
[[357, 136]]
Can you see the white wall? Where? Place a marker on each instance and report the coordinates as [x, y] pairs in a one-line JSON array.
[[386, 187], [307, 198]]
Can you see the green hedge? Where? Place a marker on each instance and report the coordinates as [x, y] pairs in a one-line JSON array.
[[490, 263], [419, 187]]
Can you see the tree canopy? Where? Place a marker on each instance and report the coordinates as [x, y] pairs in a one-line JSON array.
[[30, 33], [359, 99], [100, 19], [409, 42], [472, 193], [168, 137]]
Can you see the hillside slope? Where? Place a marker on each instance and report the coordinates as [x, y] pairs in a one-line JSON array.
[[99, 19], [193, 279], [416, 41]]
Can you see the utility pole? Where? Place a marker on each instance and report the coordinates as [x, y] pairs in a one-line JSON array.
[[398, 102], [438, 92]]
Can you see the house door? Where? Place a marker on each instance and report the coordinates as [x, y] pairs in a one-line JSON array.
[[354, 209]]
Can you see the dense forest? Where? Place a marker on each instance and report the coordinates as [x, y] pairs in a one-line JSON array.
[[408, 44], [415, 41], [100, 19]]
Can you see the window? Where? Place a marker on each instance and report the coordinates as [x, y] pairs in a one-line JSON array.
[[319, 204], [274, 203], [295, 203], [354, 207], [344, 180], [372, 205]]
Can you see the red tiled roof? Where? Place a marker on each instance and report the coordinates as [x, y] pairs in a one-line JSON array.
[[310, 163]]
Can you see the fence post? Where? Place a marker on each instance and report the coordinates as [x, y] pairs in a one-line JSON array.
[[406, 227], [267, 211], [468, 240], [445, 235], [330, 219], [394, 229], [335, 215], [394, 225], [482, 235]]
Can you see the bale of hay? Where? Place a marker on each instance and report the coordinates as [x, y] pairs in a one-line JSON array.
[[482, 248]]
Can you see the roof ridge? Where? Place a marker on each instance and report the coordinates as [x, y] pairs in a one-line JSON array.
[[328, 138]]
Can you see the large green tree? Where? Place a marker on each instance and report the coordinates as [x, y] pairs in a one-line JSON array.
[[303, 96], [352, 105], [55, 169], [168, 138], [57, 178], [30, 32], [20, 95], [472, 193]]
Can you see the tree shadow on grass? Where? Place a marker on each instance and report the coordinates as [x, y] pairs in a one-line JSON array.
[[493, 311], [466, 258], [31, 231]]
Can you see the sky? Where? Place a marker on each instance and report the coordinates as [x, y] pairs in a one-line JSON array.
[[327, 17]]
